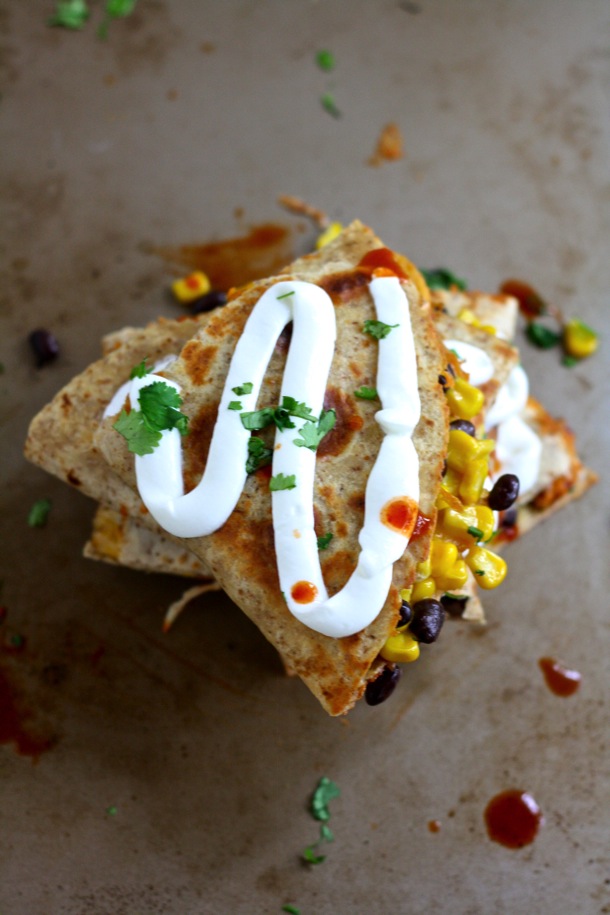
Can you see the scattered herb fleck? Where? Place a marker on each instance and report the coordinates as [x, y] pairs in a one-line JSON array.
[[324, 540], [159, 403], [139, 370], [257, 419], [258, 454], [325, 60], [329, 105], [69, 14], [312, 433], [475, 532], [115, 9], [235, 405], [541, 336], [324, 793], [479, 572], [570, 361], [291, 909], [441, 278], [281, 481], [365, 393], [39, 513], [285, 295], [309, 855], [112, 811], [1, 368], [378, 329], [245, 388], [260, 419]]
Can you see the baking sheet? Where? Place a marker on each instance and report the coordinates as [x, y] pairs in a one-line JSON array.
[[174, 771]]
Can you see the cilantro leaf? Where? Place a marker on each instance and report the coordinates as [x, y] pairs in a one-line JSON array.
[[325, 792], [312, 433], [378, 329], [296, 408], [311, 857], [258, 454], [325, 60], [39, 513], [365, 393], [159, 404], [139, 370], [235, 405], [281, 418], [115, 9], [257, 419], [281, 481], [329, 105], [245, 388], [541, 336], [475, 532], [441, 278], [70, 14], [326, 833], [291, 909], [139, 437], [324, 540]]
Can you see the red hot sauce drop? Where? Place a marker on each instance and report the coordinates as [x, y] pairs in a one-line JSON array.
[[304, 592], [560, 679], [382, 259], [513, 819], [400, 515]]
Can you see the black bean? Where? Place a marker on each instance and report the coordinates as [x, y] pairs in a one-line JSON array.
[[405, 613], [463, 425], [442, 380], [509, 518], [504, 492], [428, 619], [380, 689], [44, 345], [454, 604], [210, 300]]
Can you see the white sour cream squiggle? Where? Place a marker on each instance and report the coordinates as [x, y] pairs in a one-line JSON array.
[[395, 474]]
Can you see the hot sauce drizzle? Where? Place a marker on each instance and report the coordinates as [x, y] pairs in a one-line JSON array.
[[400, 515], [304, 592], [560, 679], [513, 818], [382, 259]]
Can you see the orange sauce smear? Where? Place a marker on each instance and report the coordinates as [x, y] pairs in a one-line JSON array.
[[304, 592]]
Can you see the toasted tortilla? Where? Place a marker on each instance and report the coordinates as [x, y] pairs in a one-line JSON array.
[[241, 554]]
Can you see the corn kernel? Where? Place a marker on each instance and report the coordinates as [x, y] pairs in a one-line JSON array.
[[579, 339], [191, 287], [464, 400], [485, 521], [473, 479], [462, 449], [454, 525], [423, 590], [455, 578], [423, 569], [405, 594], [469, 317], [488, 567], [329, 234], [442, 557], [401, 647], [451, 481]]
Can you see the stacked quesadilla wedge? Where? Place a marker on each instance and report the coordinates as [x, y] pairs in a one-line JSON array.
[[327, 483]]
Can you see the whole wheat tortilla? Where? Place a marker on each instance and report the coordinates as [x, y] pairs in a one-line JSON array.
[[241, 554]]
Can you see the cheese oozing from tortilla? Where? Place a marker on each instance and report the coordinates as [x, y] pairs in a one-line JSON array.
[[394, 479]]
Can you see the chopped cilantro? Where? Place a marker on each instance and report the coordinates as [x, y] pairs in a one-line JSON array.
[[285, 295], [441, 278], [570, 361], [291, 909], [325, 60], [257, 419], [112, 811], [245, 388], [309, 855], [479, 572], [70, 14], [476, 532], [139, 370], [329, 105], [235, 405], [326, 833], [541, 336], [142, 428], [281, 481], [140, 438], [115, 9], [325, 792], [378, 329], [312, 433], [258, 454], [365, 393], [39, 513], [324, 541], [295, 408], [159, 403]]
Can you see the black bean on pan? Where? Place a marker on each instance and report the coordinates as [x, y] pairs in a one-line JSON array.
[[44, 345], [504, 492], [454, 604], [210, 300], [463, 425], [427, 621], [405, 613], [380, 689]]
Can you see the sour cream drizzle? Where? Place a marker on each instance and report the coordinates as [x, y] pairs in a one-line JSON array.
[[395, 473]]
